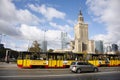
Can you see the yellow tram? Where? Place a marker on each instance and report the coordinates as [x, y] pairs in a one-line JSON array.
[[63, 60], [44, 60], [105, 60]]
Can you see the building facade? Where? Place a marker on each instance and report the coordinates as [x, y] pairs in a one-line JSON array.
[[114, 47], [91, 46], [99, 47], [81, 42], [1, 46], [81, 35], [44, 46]]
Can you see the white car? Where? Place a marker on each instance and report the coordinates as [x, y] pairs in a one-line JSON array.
[[79, 67]]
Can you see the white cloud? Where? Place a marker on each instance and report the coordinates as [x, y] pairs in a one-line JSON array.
[[72, 22], [16, 44], [54, 39], [8, 29], [7, 11], [33, 33], [65, 28], [48, 12], [108, 13], [10, 17], [26, 17]]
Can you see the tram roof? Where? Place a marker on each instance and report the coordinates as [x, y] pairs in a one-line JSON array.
[[49, 53]]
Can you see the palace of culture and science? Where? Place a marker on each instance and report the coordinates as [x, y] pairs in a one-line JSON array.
[[81, 42]]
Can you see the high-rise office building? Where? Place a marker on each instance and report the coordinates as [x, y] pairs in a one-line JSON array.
[[1, 46], [64, 40], [44, 46], [91, 46], [114, 47], [99, 46]]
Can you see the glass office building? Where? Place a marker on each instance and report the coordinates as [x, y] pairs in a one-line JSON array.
[[114, 47], [99, 46]]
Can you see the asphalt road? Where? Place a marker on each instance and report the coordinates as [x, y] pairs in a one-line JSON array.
[[11, 72], [82, 76]]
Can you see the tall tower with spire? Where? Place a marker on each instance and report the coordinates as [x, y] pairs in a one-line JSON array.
[[81, 35], [80, 17]]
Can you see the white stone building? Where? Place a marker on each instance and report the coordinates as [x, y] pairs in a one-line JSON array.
[[81, 42]]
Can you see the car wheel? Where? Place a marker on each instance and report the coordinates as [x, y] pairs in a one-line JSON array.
[[78, 70], [95, 70]]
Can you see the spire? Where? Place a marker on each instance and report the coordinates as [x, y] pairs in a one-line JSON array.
[[80, 13], [80, 18]]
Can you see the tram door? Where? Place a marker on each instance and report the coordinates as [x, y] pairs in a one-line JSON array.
[[60, 61], [20, 60], [55, 60], [26, 61], [51, 61]]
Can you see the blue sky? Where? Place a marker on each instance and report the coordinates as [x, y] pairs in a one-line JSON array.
[[23, 21], [70, 8]]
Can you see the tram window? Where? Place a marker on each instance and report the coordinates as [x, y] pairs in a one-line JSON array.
[[51, 57], [94, 58], [58, 57], [107, 60], [116, 58], [80, 58], [26, 57], [34, 57], [111, 58], [90, 58], [61, 57], [20, 56]]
